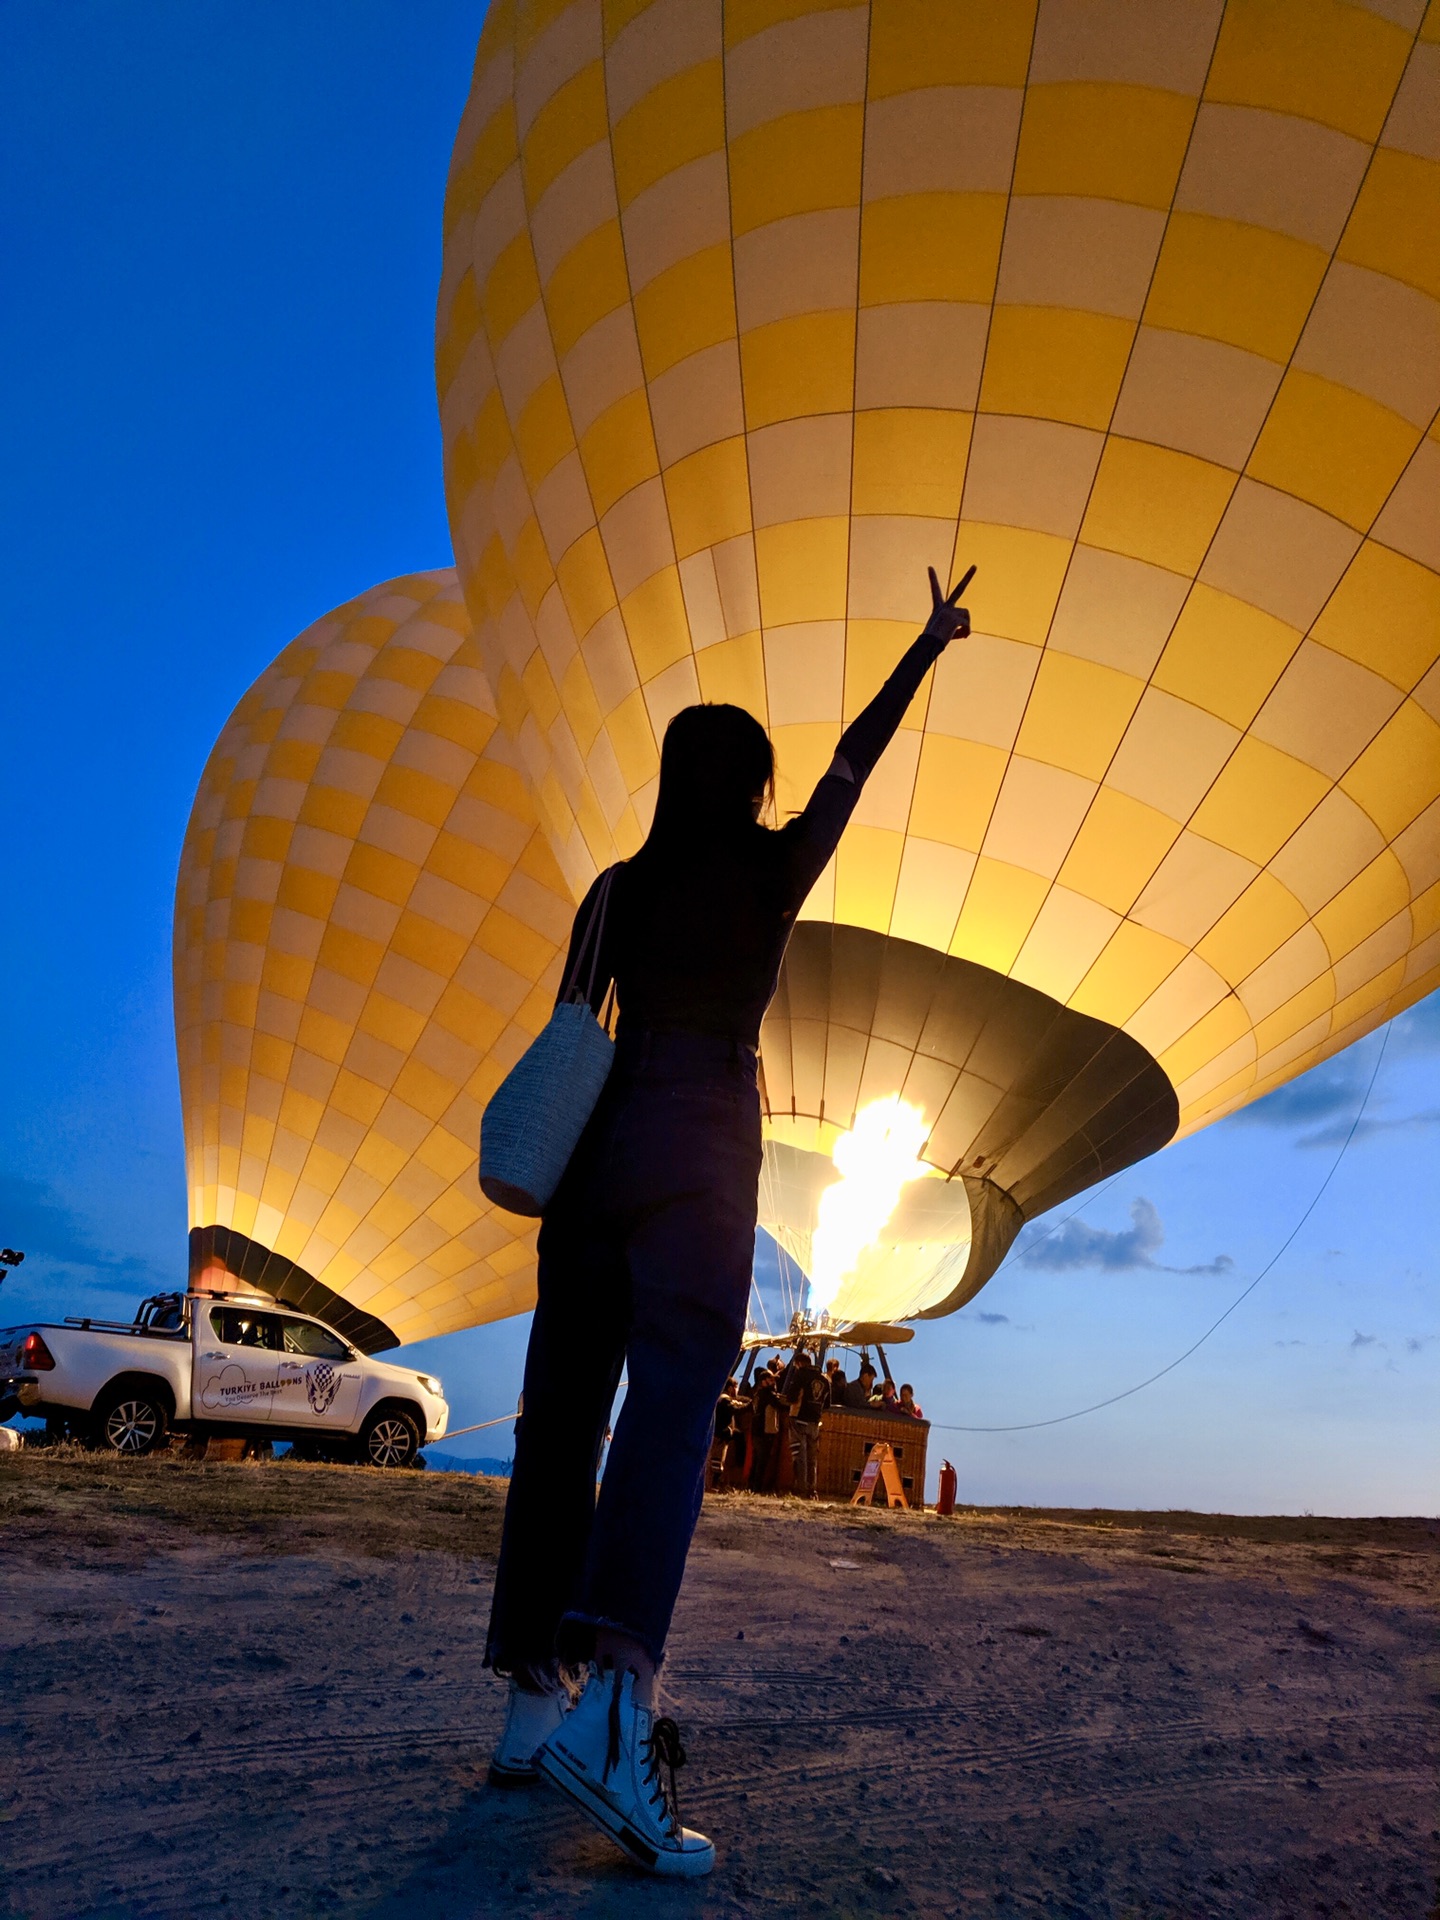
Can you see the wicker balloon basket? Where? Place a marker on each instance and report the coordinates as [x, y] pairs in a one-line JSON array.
[[846, 1437]]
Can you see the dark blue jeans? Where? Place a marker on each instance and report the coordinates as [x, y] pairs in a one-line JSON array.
[[645, 1261]]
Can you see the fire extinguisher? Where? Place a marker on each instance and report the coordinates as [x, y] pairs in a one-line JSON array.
[[949, 1485]]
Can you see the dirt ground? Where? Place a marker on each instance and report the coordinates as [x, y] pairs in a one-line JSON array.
[[255, 1691]]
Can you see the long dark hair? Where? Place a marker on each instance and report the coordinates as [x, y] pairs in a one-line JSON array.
[[717, 768]]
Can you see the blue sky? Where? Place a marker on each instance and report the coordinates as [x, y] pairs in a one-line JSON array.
[[222, 247]]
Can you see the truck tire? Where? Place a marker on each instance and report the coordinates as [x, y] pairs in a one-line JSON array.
[[390, 1438], [132, 1419]]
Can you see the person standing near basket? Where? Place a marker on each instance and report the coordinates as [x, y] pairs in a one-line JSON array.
[[808, 1395], [645, 1255]]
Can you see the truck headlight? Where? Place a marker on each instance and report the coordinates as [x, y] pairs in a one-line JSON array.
[[431, 1385]]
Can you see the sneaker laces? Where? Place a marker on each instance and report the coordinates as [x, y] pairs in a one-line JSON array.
[[664, 1746]]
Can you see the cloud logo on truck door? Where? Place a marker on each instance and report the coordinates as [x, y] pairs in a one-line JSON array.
[[322, 1383], [233, 1387]]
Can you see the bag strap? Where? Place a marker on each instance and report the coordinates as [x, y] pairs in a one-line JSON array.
[[602, 904], [590, 943]]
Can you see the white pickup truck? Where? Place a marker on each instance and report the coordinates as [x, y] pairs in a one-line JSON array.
[[227, 1364]]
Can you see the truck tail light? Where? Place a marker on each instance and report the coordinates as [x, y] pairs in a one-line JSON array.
[[35, 1356]]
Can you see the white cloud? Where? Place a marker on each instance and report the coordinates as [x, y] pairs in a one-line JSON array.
[[1075, 1245]]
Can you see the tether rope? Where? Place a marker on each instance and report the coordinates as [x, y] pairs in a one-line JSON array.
[[1059, 1419], [499, 1421]]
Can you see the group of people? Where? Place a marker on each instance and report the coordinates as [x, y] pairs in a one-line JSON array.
[[767, 1432]]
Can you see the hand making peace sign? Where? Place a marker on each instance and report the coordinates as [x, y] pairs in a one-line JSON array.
[[946, 618]]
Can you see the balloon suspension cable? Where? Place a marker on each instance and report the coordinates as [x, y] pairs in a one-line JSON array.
[[759, 1299], [787, 1292], [790, 1294], [1059, 1419], [755, 1293]]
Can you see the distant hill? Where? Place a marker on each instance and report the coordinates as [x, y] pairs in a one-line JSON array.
[[452, 1463]]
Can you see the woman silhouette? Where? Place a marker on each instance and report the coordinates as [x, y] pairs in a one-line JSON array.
[[645, 1259]]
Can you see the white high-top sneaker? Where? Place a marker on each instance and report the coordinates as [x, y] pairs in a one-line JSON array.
[[529, 1722], [616, 1760]]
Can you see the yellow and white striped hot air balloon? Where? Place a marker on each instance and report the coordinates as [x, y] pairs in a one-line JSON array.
[[751, 308]]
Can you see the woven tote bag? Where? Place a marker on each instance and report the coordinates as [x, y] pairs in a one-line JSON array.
[[538, 1112]]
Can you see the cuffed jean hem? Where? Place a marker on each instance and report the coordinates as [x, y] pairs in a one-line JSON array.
[[498, 1662], [576, 1637], [513, 1663], [547, 1674]]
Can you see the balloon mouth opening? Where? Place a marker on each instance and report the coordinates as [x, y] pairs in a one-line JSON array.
[[868, 1229]]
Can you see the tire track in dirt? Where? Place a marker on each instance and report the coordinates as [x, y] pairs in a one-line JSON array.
[[1060, 1747]]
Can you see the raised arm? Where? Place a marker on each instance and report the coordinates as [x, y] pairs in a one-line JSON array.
[[815, 833]]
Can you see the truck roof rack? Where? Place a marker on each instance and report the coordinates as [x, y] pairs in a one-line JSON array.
[[265, 1301], [89, 1324]]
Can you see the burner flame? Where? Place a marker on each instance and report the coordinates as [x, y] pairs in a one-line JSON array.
[[876, 1161]]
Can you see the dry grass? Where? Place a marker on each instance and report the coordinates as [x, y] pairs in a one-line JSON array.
[[1402, 1551], [62, 1498], [57, 1502], [1400, 1535]]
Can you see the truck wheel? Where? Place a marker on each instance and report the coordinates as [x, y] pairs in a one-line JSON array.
[[389, 1438], [133, 1421]]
